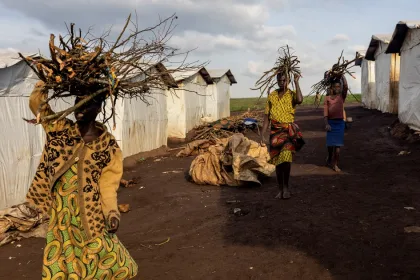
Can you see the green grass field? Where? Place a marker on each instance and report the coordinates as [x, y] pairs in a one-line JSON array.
[[242, 104]]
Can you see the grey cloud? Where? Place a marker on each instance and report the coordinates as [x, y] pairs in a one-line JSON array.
[[204, 16], [36, 32]]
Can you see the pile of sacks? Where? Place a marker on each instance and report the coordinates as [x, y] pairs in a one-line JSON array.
[[232, 161], [19, 222]]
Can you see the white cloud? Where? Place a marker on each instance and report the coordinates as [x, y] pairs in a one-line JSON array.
[[339, 38], [206, 43], [255, 68], [235, 34], [351, 50]]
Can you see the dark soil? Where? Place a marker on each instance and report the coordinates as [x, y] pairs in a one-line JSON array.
[[336, 226]]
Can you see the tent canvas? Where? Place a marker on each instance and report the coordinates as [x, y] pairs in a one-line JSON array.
[[405, 40], [22, 143], [218, 94], [187, 107], [387, 72], [367, 80]]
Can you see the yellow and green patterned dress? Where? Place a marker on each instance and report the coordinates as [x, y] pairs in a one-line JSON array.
[[283, 131], [68, 255]]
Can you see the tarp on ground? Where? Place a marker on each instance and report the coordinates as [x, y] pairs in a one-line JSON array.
[[232, 162], [20, 222]]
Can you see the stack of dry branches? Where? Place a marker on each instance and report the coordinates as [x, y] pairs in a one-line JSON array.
[[226, 127], [88, 66], [341, 68], [286, 63]]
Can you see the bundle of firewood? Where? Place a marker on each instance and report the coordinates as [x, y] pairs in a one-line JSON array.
[[286, 64], [336, 72], [82, 64], [226, 127]]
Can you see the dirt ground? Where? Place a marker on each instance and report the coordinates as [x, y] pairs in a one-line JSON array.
[[336, 226]]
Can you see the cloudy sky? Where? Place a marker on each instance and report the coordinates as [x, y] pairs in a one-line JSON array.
[[242, 35]]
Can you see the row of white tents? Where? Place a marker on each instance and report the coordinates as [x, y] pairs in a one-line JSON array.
[[202, 95], [390, 70]]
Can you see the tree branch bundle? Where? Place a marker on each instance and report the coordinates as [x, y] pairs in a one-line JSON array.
[[286, 63], [334, 74], [89, 66], [226, 127]]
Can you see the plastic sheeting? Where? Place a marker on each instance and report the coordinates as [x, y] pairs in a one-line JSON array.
[[368, 84], [188, 107], [218, 99], [144, 127], [22, 143], [387, 74], [247, 159], [409, 85], [382, 72]]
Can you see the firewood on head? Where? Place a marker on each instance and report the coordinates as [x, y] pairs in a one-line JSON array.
[[83, 64], [286, 64], [337, 71]]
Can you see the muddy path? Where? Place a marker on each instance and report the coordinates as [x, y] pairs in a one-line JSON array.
[[336, 226]]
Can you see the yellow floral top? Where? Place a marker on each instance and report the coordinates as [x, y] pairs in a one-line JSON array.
[[281, 109]]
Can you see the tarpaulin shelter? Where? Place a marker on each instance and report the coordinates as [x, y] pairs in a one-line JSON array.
[[405, 42], [367, 80], [187, 108], [387, 73], [139, 127], [218, 94]]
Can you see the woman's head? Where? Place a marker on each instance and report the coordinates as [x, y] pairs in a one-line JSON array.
[[282, 80], [89, 111], [336, 87]]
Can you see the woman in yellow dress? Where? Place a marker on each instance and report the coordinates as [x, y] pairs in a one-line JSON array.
[[76, 186], [285, 136]]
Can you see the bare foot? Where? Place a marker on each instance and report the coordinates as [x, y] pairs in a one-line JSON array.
[[286, 194], [328, 162], [336, 169], [278, 196]]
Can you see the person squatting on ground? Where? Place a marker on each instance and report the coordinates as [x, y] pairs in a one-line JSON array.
[[285, 135], [334, 124], [76, 186]]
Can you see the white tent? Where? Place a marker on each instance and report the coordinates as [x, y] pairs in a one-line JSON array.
[[187, 108], [367, 80], [218, 94], [22, 143], [387, 73], [406, 41], [143, 127]]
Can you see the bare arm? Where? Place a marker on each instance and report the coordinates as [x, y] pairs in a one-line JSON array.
[[299, 96], [327, 126], [265, 125], [266, 122], [345, 87]]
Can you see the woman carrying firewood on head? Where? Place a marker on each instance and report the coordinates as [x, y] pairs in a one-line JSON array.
[[285, 136], [334, 123], [76, 186], [343, 86]]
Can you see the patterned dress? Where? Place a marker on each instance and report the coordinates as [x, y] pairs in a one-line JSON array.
[[283, 131], [68, 255]]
